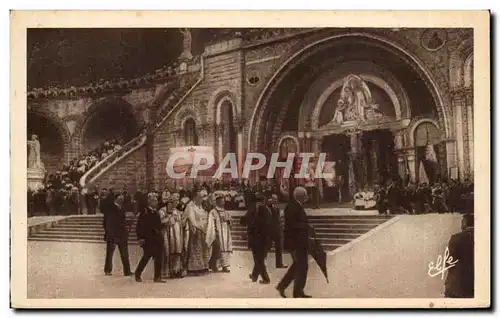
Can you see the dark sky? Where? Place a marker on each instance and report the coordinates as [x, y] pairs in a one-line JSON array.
[[76, 57]]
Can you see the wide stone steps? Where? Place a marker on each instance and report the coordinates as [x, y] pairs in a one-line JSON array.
[[332, 231]]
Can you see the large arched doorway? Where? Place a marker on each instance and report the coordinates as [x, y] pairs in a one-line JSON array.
[[397, 90], [52, 140], [111, 120]]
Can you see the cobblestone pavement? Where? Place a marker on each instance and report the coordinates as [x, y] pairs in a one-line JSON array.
[[392, 263]]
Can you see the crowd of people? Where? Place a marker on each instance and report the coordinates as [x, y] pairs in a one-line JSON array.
[[183, 237], [61, 193], [191, 235], [453, 196]]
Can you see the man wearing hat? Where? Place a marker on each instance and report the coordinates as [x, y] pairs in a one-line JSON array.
[[150, 238], [259, 233], [219, 234]]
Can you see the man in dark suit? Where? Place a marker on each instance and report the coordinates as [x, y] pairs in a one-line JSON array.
[[116, 230], [259, 232], [296, 241], [460, 280], [272, 204], [150, 238]]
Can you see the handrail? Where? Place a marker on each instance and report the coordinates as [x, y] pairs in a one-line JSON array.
[[138, 141], [109, 158], [202, 75]]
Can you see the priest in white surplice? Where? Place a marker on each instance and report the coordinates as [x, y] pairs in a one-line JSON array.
[[219, 235]]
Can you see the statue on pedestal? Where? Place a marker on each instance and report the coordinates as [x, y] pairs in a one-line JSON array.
[[36, 169], [186, 45]]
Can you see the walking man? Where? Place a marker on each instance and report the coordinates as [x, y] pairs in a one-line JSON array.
[[150, 238], [296, 239], [258, 222], [116, 234]]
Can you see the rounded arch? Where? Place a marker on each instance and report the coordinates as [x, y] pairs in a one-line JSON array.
[[288, 65], [289, 137], [398, 108], [190, 131], [187, 118], [218, 97], [415, 123], [183, 115], [469, 71], [52, 117], [53, 135], [108, 117], [458, 59]]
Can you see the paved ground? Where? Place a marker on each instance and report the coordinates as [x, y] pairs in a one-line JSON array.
[[392, 263]]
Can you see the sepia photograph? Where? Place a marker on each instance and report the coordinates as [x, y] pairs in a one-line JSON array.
[[199, 162]]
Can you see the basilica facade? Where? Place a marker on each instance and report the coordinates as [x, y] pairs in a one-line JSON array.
[[381, 103]]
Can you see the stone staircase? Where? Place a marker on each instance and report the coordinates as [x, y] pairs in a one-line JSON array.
[[172, 96], [333, 230]]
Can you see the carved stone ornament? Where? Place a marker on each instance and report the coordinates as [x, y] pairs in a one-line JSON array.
[[433, 39]]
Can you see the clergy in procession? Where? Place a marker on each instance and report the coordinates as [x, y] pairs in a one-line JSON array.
[[173, 237], [219, 234], [198, 252]]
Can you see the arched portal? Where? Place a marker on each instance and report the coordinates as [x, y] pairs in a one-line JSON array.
[[309, 64], [52, 137], [354, 90], [111, 119]]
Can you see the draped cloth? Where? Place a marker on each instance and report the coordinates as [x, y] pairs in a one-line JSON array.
[[173, 236], [198, 252], [219, 232]]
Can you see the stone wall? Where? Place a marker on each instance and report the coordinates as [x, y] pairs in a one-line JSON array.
[[129, 171], [222, 77]]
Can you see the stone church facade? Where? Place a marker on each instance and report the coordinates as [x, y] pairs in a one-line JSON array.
[[259, 90]]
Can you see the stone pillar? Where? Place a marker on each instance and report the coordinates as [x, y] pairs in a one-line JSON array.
[[219, 133], [316, 149], [402, 167], [410, 163], [354, 163], [460, 118], [469, 142], [239, 129], [451, 158]]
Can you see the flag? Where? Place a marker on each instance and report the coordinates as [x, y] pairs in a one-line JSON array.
[[422, 175], [430, 154]]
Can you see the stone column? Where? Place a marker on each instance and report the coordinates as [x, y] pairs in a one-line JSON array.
[[469, 153], [354, 163], [220, 132], [410, 163], [316, 149], [460, 118], [239, 129], [402, 167], [451, 158]]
